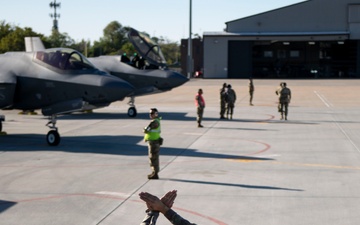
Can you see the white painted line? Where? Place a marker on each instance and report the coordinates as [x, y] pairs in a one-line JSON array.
[[347, 136], [322, 99], [109, 193], [193, 133], [330, 104]]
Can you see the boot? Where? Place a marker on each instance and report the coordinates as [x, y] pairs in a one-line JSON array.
[[153, 176]]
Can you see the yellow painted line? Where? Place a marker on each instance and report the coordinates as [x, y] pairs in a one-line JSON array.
[[246, 160], [319, 165]]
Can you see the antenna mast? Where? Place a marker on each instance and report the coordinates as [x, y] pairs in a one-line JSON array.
[[55, 15]]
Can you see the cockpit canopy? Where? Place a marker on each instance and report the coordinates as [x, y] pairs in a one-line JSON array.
[[147, 48], [64, 59]]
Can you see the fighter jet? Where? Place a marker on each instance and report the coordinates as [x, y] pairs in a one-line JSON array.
[[148, 73], [57, 81]]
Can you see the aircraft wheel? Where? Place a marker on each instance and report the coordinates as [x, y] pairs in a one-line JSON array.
[[53, 138], [132, 112]]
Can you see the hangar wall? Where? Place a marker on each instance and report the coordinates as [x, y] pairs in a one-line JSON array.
[[338, 22], [314, 15], [215, 57], [354, 21]]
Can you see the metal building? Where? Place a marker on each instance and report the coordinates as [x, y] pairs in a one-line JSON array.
[[197, 54], [311, 39]]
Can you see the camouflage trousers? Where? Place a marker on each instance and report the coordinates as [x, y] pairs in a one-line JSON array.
[[154, 152], [251, 93], [283, 108], [200, 112], [222, 108], [230, 109]]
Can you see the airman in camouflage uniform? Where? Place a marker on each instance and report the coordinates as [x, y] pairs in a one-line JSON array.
[[152, 137], [285, 97], [231, 98], [222, 101]]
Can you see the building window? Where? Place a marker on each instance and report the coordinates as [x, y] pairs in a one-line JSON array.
[[294, 54], [268, 54], [281, 54]]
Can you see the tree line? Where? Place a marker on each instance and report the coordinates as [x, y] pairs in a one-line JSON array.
[[113, 42]]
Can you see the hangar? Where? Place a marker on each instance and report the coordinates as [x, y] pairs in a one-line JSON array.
[[310, 39]]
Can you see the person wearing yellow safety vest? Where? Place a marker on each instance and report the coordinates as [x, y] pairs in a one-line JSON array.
[[154, 140]]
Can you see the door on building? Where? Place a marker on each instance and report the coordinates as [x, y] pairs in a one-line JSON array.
[[240, 59]]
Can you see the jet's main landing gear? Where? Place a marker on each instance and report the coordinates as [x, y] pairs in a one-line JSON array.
[[53, 136], [132, 110], [2, 118]]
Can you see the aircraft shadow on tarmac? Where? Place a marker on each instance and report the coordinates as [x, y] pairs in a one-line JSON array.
[[5, 205], [179, 116], [121, 116], [241, 128], [233, 185], [293, 122], [100, 144]]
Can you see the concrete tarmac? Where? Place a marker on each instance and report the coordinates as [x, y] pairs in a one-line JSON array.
[[253, 170]]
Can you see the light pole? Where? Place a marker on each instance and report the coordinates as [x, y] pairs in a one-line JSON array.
[[190, 60]]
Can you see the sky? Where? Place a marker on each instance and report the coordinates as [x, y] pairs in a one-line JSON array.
[[86, 19]]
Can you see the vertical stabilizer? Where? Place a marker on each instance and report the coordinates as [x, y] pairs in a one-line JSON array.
[[33, 44]]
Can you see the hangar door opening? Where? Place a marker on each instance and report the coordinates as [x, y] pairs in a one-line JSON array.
[[306, 59], [240, 59]]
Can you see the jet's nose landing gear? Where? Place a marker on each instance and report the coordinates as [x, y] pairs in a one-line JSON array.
[[132, 110], [53, 136]]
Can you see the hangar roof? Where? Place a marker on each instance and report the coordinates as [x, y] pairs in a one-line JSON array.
[[321, 19]]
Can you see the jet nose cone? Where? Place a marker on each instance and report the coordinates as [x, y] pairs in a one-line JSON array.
[[116, 88], [177, 79]]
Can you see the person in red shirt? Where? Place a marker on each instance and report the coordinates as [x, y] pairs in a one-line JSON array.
[[200, 104]]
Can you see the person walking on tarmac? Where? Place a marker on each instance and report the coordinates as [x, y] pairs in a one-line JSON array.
[[154, 140], [251, 90], [200, 104], [231, 98], [277, 92], [222, 101], [285, 97]]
